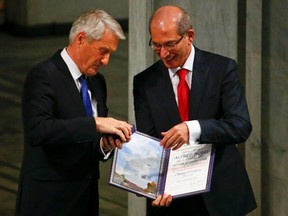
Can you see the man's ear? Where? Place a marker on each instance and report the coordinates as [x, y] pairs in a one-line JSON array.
[[81, 38], [190, 34]]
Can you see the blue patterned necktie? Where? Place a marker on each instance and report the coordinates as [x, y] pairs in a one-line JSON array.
[[85, 95]]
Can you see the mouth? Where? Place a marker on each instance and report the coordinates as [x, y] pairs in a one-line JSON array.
[[169, 59], [95, 67]]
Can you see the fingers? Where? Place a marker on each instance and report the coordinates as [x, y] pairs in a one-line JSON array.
[[118, 143], [157, 201], [124, 131], [162, 201], [106, 144], [112, 126], [125, 128], [168, 200], [175, 137], [110, 142]]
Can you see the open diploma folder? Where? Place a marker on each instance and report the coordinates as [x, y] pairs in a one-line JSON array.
[[145, 168]]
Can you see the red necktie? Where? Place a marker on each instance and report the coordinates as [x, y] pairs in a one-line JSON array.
[[183, 95]]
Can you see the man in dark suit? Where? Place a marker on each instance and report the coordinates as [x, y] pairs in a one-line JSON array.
[[216, 113], [65, 139]]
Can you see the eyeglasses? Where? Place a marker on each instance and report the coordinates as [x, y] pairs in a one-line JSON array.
[[168, 46]]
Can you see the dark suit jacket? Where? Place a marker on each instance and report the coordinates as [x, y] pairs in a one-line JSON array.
[[61, 146], [218, 102]]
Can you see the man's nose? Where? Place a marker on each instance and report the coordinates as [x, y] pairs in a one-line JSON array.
[[105, 59], [163, 52]]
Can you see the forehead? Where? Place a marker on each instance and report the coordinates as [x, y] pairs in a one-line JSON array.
[[164, 33], [163, 27]]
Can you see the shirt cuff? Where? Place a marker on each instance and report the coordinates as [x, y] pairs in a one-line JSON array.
[[106, 155], [194, 131]]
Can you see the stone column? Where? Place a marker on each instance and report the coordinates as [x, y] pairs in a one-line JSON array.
[[253, 95], [140, 57], [215, 24]]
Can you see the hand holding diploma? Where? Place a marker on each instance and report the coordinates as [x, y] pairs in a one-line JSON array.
[[114, 127], [176, 137], [162, 200], [115, 132]]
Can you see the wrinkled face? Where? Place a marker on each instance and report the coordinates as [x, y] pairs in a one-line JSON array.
[[93, 54], [166, 34]]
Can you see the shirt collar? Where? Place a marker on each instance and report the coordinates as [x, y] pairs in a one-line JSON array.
[[188, 64], [73, 68]]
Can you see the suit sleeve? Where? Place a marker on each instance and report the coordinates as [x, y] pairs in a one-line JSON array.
[[48, 120], [231, 124], [144, 119]]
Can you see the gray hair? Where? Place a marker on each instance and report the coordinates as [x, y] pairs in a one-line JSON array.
[[94, 24]]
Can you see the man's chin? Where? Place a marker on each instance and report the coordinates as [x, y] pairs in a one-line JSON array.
[[93, 72]]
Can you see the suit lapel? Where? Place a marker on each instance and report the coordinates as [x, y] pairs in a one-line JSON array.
[[69, 83], [166, 98], [200, 74], [98, 93], [162, 97]]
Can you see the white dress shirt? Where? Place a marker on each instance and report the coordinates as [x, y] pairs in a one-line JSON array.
[[76, 74], [193, 125]]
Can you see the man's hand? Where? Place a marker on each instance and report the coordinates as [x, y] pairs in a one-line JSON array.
[[162, 201], [113, 127], [110, 142], [175, 137]]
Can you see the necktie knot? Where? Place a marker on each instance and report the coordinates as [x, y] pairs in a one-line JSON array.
[[82, 77], [182, 74], [83, 80]]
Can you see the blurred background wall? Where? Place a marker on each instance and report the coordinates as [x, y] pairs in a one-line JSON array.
[[253, 32], [34, 17]]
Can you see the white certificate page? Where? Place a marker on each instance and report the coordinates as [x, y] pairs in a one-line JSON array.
[[188, 169]]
